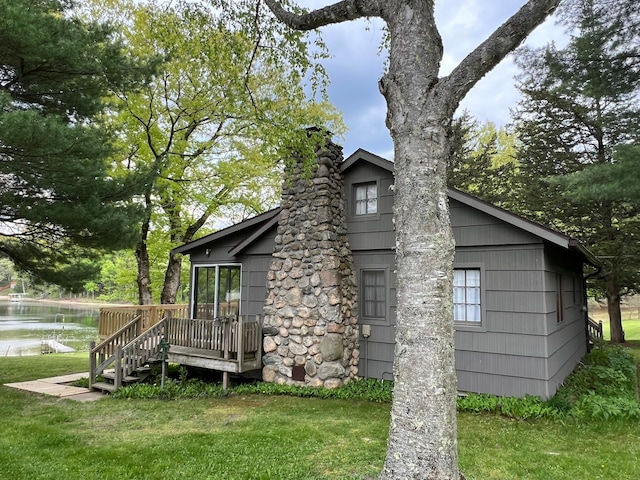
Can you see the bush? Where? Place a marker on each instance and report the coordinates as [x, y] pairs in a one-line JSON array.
[[603, 387], [364, 389]]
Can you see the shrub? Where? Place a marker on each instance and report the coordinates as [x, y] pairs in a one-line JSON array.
[[603, 387], [364, 389]]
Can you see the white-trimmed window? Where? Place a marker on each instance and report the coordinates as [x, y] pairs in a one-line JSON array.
[[366, 198], [373, 293], [216, 292], [466, 296]]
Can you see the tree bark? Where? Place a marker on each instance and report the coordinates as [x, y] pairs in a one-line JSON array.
[[171, 279], [615, 314], [423, 433], [422, 437], [145, 296]]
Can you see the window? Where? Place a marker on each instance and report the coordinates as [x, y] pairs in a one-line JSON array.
[[374, 294], [217, 291], [366, 198], [466, 296], [559, 303]]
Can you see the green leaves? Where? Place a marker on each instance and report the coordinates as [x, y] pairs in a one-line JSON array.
[[60, 199], [209, 132]]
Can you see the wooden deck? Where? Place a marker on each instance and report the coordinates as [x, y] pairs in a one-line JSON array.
[[229, 345], [111, 319]]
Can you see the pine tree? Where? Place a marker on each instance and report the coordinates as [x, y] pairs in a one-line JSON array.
[[578, 120], [59, 202]]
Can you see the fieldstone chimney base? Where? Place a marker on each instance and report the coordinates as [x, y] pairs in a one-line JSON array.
[[311, 286]]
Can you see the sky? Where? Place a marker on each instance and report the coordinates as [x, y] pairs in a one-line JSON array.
[[356, 66]]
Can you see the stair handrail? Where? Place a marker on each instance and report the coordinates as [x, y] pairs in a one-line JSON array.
[[595, 328], [106, 352], [141, 349]]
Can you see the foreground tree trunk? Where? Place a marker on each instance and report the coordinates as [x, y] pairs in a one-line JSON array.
[[615, 314], [422, 441], [423, 433]]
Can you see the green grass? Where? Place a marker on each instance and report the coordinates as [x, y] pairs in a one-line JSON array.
[[271, 437], [630, 322], [631, 329]]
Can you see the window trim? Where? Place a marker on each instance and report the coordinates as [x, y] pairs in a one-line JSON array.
[[352, 210], [480, 326], [194, 286], [374, 320]]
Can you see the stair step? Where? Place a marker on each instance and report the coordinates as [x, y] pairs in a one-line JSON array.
[[143, 373], [109, 387]]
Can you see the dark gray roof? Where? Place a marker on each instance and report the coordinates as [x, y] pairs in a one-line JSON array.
[[265, 221]]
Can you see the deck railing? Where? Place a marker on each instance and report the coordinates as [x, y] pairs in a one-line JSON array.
[[111, 319], [229, 334], [236, 340], [595, 329], [109, 351]]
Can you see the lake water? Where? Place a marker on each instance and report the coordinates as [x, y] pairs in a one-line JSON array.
[[25, 326]]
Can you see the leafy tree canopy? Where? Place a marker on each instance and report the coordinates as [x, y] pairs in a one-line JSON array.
[[225, 107], [58, 196]]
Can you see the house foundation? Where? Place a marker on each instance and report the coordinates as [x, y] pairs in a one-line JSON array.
[[310, 312]]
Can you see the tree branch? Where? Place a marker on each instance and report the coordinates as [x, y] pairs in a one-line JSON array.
[[335, 13], [501, 42]]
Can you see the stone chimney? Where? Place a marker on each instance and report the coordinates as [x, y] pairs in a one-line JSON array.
[[310, 312]]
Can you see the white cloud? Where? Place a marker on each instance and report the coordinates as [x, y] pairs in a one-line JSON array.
[[356, 67]]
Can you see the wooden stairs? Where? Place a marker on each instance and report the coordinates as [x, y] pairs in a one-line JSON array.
[[130, 355], [126, 356], [109, 377]]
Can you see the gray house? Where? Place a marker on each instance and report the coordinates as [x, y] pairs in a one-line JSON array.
[[519, 287]]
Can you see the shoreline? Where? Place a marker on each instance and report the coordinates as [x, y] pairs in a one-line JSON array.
[[63, 301]]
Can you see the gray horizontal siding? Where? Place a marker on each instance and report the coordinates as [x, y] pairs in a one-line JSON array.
[[478, 382], [527, 302], [521, 322], [375, 369], [502, 343], [373, 232], [383, 334], [508, 258], [507, 365]]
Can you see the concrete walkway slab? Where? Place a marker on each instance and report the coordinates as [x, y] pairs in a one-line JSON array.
[[58, 387]]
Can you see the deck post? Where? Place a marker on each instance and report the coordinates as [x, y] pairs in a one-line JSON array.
[[240, 343], [226, 339], [118, 366], [92, 364], [260, 339]]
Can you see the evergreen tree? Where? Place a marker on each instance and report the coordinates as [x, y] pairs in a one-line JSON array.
[[59, 201], [578, 124], [483, 160]]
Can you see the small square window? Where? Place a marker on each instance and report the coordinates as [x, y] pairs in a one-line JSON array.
[[366, 198]]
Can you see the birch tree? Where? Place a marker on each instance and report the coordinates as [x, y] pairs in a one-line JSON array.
[[420, 106]]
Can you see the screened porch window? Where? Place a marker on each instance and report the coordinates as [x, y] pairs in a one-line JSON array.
[[366, 198], [466, 296], [217, 291], [374, 296]]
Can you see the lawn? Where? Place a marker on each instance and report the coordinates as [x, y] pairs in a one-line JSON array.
[[270, 437], [630, 322]]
